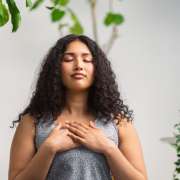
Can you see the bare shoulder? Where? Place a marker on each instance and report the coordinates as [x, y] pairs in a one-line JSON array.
[[129, 144], [125, 126], [25, 128], [28, 120], [22, 147]]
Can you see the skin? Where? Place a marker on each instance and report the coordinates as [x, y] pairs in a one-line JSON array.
[[77, 89], [77, 92]]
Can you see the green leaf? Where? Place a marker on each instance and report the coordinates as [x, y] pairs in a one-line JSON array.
[[76, 29], [177, 141], [62, 25], [28, 3], [174, 145], [64, 2], [15, 15], [36, 4], [176, 125], [73, 16], [178, 149], [57, 15], [109, 19], [178, 170], [51, 8], [57, 2], [56, 6], [178, 155], [60, 2], [176, 163], [3, 14], [118, 19], [175, 135]]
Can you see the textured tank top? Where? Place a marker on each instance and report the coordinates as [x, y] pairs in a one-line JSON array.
[[79, 163]]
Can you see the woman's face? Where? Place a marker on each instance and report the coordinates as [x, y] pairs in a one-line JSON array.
[[77, 58]]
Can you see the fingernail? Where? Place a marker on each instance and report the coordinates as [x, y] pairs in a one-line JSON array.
[[66, 121]]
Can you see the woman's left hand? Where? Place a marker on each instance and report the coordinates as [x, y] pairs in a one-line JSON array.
[[91, 137]]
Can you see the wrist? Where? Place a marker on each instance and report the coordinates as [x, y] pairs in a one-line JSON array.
[[47, 145], [109, 148]]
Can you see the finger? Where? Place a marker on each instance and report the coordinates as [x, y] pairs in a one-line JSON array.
[[76, 138], [58, 126], [83, 125], [74, 130], [78, 126], [92, 125]]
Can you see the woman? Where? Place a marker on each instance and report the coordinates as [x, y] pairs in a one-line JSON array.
[[76, 126]]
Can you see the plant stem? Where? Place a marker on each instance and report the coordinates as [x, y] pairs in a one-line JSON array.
[[93, 5], [60, 30], [112, 38], [107, 46]]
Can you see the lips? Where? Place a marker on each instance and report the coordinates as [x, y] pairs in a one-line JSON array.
[[78, 75]]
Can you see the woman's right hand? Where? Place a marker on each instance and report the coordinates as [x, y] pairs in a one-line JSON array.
[[59, 140]]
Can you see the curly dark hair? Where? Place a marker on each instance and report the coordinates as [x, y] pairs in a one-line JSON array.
[[48, 98]]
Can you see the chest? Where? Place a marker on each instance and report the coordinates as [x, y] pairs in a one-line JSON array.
[[79, 119]]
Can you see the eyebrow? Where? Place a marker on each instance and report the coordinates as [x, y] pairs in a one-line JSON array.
[[72, 54]]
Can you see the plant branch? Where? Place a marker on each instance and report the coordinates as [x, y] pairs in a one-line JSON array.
[[60, 30], [93, 5], [107, 46]]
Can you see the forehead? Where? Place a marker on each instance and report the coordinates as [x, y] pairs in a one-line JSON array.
[[77, 47]]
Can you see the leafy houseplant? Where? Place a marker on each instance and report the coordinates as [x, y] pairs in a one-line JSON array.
[[177, 146], [59, 10]]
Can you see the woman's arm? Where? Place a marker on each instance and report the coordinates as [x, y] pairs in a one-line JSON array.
[[127, 163], [25, 163]]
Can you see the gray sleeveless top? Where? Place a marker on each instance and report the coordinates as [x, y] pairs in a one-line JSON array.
[[79, 163]]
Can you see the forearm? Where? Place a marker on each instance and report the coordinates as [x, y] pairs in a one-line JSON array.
[[39, 166], [120, 166]]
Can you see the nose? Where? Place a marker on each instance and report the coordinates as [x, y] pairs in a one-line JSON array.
[[78, 63]]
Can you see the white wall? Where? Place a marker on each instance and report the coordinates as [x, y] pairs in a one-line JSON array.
[[146, 60]]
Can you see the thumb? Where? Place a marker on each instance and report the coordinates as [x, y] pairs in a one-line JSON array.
[[92, 125], [58, 126]]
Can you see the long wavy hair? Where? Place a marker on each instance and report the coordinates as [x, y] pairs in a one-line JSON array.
[[48, 97]]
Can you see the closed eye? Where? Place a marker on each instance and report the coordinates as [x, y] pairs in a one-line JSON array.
[[72, 60]]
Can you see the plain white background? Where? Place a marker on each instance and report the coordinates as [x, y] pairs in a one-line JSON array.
[[145, 58]]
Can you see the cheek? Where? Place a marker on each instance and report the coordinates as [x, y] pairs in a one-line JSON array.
[[90, 70], [65, 69], [91, 74]]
